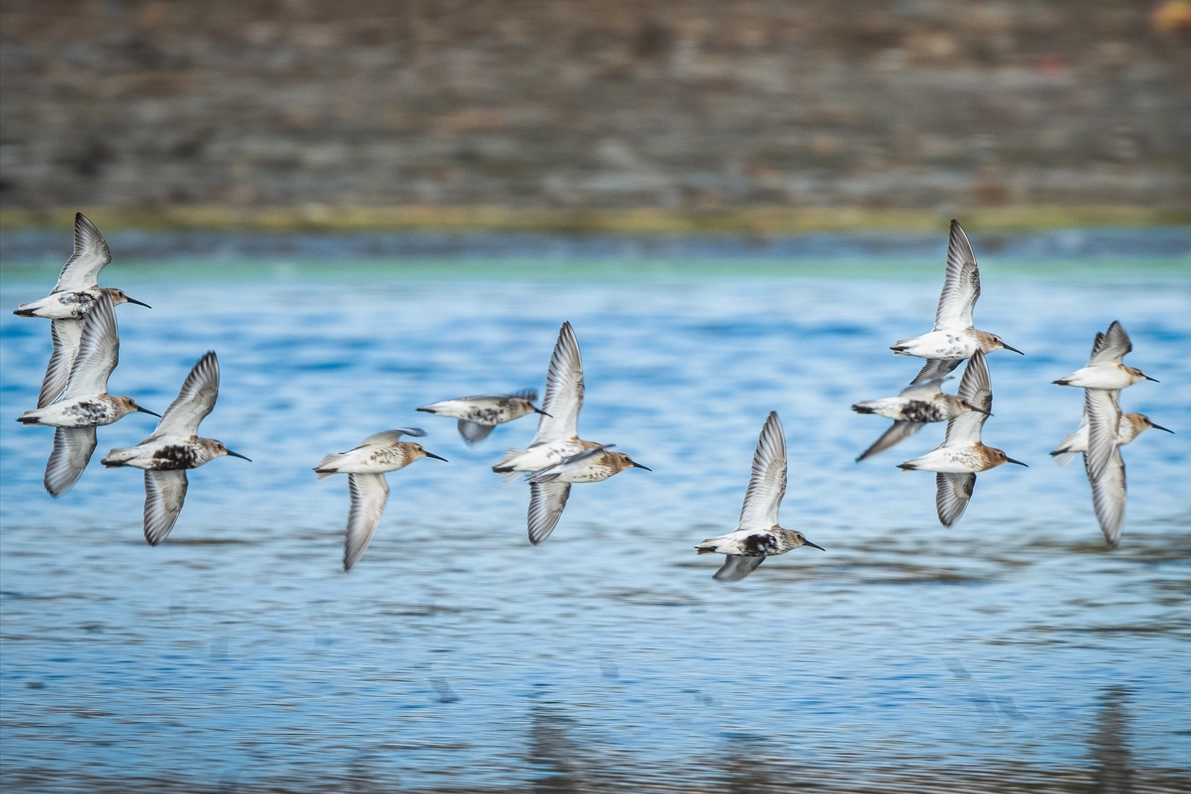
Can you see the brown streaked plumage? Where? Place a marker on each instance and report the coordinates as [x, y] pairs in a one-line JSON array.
[[175, 447]]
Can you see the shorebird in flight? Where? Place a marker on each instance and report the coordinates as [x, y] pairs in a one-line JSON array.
[[1104, 369], [85, 403], [919, 404], [962, 454], [758, 534], [70, 301], [365, 467], [1129, 428], [175, 447], [478, 415], [557, 442], [954, 338]]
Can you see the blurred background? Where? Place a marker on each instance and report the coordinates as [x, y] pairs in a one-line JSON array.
[[364, 207], [626, 115]]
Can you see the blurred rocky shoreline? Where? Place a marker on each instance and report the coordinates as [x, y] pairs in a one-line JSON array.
[[689, 107]]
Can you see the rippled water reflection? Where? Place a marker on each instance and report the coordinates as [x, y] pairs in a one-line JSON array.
[[1008, 652]]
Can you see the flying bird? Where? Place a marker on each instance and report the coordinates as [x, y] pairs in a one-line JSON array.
[[85, 403], [953, 337], [557, 442], [758, 534], [1104, 369], [478, 415], [365, 467], [70, 301], [175, 447], [962, 454], [1130, 427], [550, 488], [919, 404]]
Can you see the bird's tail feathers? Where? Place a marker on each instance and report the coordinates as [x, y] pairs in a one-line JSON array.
[[327, 467], [504, 466], [118, 457], [1063, 457]]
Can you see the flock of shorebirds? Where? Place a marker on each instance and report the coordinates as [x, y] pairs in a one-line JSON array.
[[74, 400]]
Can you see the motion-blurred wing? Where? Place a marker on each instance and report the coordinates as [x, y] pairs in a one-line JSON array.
[[976, 388], [952, 493], [1103, 411], [736, 568], [370, 493], [194, 402], [165, 491], [898, 432], [66, 335], [564, 390], [90, 256], [1111, 346], [935, 369], [767, 485], [546, 503], [473, 432], [387, 437], [961, 288], [98, 353], [1108, 497], [73, 447]]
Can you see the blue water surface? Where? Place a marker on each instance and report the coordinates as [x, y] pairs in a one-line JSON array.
[[1010, 648]]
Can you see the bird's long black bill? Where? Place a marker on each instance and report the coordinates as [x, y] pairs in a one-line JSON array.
[[1018, 462], [1014, 349], [1160, 427], [543, 413], [1155, 380], [154, 413], [806, 542], [639, 466], [437, 457], [238, 455], [138, 303]]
